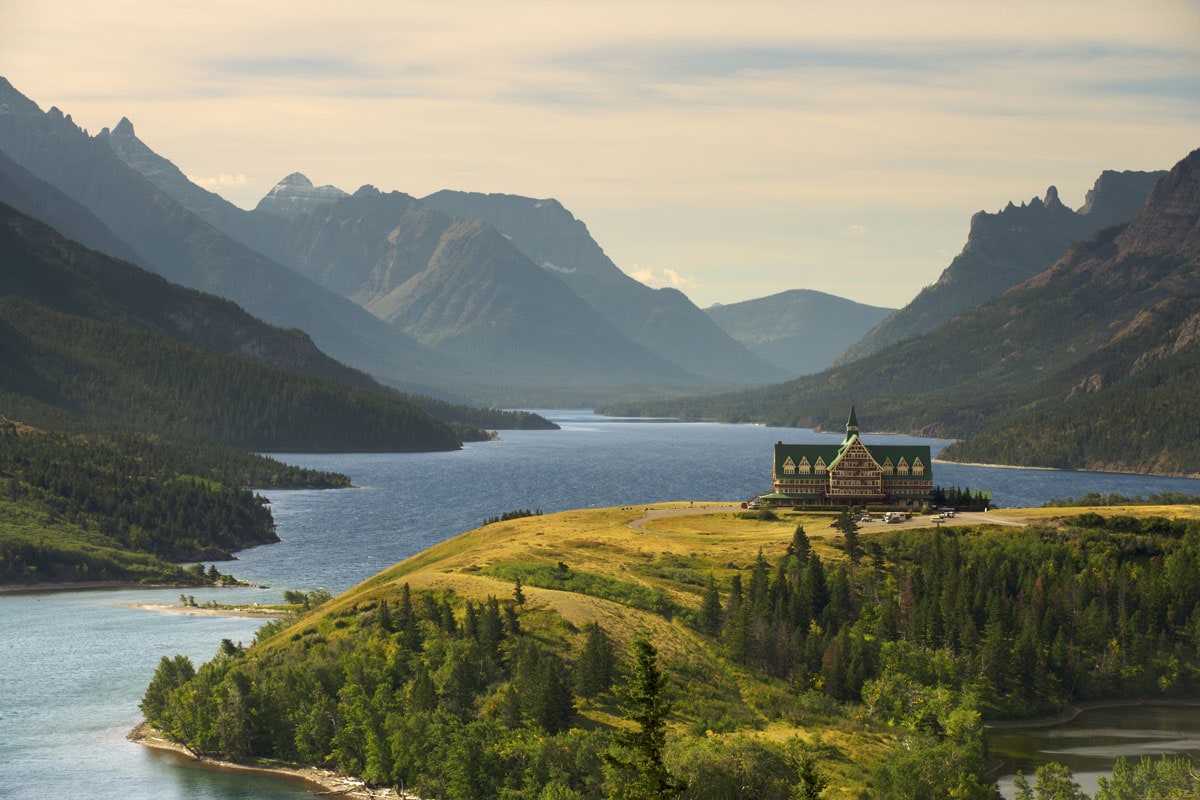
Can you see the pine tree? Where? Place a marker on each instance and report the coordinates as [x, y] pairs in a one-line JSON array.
[[596, 662], [639, 751], [710, 611]]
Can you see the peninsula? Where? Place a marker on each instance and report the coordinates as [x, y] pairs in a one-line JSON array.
[[790, 660]]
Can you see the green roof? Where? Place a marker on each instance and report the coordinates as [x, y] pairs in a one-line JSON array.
[[831, 452]]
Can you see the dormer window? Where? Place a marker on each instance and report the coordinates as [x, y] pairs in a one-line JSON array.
[[789, 467], [820, 465], [888, 467], [805, 467], [902, 467], [918, 468]]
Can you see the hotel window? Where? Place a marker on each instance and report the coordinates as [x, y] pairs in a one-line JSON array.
[[888, 469], [902, 467], [820, 465], [918, 467], [789, 467], [805, 467]]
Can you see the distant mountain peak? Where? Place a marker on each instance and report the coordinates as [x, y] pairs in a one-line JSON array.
[[13, 102], [295, 195], [297, 180], [1052, 197], [124, 128]]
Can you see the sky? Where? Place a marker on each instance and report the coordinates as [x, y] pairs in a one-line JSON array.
[[731, 150]]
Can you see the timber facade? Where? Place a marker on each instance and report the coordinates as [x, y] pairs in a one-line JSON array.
[[851, 473]]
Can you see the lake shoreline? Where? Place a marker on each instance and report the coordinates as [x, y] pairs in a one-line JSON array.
[[90, 586], [1072, 712], [327, 782]]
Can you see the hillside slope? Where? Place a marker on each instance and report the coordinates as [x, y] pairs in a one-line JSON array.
[[763, 662]]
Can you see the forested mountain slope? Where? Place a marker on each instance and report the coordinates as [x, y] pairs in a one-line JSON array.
[[92, 508]]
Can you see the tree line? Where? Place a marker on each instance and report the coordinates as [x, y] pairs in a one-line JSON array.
[[1028, 621]]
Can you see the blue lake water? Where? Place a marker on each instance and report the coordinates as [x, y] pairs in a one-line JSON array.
[[73, 665]]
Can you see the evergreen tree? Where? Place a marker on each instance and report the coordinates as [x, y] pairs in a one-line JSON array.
[[596, 662], [638, 752], [846, 523], [710, 610]]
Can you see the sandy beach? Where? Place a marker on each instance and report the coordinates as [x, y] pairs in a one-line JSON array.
[[219, 611]]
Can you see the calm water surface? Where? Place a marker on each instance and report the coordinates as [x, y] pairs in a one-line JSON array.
[[73, 665]]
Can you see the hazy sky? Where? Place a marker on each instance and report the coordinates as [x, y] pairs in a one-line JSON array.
[[731, 149]]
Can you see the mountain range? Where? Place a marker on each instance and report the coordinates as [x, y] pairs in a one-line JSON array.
[[499, 297], [489, 296], [1090, 363], [89, 342]]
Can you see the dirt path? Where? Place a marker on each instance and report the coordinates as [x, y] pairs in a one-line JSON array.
[[650, 513]]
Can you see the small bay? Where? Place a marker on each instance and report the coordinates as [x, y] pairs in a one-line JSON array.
[[73, 665]]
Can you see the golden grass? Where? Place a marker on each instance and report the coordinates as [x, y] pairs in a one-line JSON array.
[[1049, 514]]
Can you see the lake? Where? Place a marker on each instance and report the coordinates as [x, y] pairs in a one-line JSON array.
[[73, 665]]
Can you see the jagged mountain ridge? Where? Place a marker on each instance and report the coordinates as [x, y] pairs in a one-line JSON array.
[[1004, 249], [464, 290], [798, 330], [480, 299], [296, 195]]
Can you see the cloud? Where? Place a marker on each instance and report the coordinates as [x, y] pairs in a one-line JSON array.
[[687, 135], [222, 181], [665, 277]]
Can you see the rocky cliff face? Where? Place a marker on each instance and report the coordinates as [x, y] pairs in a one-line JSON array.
[[1171, 222], [1006, 248]]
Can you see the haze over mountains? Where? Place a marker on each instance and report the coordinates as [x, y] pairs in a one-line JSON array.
[[510, 325], [501, 298], [461, 311]]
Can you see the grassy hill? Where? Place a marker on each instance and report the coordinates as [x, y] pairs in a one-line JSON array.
[[781, 654]]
